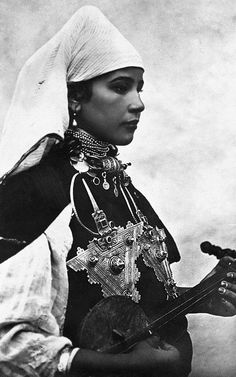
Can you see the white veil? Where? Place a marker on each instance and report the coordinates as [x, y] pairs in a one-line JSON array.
[[87, 46]]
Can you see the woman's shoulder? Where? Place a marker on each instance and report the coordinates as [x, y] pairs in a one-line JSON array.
[[31, 199]]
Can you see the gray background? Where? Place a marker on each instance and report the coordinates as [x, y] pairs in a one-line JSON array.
[[184, 152]]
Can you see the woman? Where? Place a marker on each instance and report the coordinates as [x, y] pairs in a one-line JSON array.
[[68, 203]]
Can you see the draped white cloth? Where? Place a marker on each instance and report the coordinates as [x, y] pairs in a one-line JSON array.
[[87, 46], [33, 299]]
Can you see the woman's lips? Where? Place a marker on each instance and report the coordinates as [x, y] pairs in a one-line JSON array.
[[131, 123]]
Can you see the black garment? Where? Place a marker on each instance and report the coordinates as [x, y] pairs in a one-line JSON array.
[[31, 200]]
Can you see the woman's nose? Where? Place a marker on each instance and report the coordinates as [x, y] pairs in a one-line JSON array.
[[136, 105]]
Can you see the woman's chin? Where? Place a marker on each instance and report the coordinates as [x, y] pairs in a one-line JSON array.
[[125, 140]]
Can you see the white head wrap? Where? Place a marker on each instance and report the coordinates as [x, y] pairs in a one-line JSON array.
[[87, 46]]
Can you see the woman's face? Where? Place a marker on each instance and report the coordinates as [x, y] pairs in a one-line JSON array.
[[113, 111]]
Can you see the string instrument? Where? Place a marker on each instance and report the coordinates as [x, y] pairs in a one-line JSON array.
[[116, 323]]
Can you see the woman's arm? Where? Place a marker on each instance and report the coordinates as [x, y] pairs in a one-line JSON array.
[[146, 357]]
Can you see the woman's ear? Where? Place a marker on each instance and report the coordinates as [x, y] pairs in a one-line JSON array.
[[74, 105]]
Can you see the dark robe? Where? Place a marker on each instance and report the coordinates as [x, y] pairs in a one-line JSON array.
[[31, 200]]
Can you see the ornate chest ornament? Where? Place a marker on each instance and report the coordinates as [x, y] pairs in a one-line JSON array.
[[110, 258]]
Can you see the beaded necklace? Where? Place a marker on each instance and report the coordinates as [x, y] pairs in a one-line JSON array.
[[88, 154], [89, 145]]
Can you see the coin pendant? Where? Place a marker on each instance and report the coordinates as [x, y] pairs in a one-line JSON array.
[[106, 185]]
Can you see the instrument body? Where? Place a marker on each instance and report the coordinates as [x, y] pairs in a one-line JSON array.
[[111, 321]]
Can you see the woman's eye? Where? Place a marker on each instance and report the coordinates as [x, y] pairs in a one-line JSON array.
[[120, 89]]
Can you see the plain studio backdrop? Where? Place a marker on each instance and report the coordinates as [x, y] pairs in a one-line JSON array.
[[184, 152]]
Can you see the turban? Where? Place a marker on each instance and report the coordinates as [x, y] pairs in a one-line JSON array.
[[87, 46]]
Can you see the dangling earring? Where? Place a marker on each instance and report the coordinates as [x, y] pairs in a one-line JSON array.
[[74, 123]]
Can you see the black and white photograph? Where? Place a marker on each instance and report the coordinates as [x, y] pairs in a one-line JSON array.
[[118, 188]]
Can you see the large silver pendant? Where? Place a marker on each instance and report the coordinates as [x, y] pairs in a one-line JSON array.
[[155, 255], [111, 261]]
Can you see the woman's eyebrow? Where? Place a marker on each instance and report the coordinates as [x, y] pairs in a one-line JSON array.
[[128, 79]]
